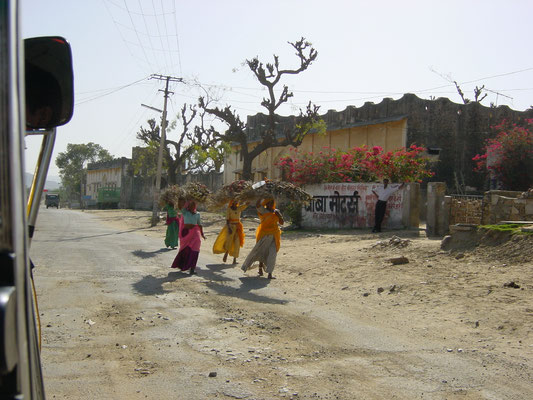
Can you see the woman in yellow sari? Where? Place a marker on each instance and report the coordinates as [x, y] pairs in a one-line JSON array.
[[231, 237], [268, 238]]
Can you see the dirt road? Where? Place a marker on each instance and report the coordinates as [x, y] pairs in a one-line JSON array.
[[339, 322]]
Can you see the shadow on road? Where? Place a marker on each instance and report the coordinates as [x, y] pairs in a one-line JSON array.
[[94, 236], [215, 274], [215, 278], [150, 285], [149, 254]]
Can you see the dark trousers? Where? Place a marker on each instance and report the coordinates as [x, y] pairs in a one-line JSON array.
[[379, 214]]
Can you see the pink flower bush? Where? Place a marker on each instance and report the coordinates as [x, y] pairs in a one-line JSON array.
[[509, 155], [358, 164]]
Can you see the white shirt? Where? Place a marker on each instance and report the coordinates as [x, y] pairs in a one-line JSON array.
[[385, 192]]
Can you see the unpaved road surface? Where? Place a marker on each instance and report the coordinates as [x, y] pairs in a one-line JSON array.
[[339, 322]]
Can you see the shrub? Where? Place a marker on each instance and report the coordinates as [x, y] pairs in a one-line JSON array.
[[359, 164], [508, 156]]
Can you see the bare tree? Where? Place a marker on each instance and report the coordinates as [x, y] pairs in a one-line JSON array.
[[181, 148], [277, 131], [477, 94]]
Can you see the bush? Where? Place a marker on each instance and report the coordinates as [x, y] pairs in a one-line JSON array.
[[358, 164], [293, 211], [508, 157]]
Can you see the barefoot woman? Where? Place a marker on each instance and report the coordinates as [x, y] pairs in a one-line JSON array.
[[190, 234], [231, 237], [268, 238]]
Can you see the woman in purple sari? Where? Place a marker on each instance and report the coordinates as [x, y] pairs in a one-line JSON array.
[[190, 235]]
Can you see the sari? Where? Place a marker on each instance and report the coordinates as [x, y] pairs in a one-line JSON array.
[[190, 242], [172, 222], [231, 242], [268, 241]]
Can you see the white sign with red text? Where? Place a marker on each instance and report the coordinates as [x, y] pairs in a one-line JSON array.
[[349, 205]]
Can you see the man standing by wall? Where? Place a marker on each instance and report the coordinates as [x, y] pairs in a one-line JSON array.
[[383, 195]]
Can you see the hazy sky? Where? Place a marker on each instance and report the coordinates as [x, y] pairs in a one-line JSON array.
[[367, 50]]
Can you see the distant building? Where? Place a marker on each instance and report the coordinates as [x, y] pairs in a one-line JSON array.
[[456, 131], [389, 133], [106, 174]]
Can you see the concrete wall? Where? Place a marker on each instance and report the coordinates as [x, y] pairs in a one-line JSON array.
[[437, 209], [506, 206], [213, 180], [351, 205], [389, 135], [443, 211]]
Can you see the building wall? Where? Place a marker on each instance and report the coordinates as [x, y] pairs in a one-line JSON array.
[[107, 177], [459, 130], [352, 205], [499, 205], [389, 135]]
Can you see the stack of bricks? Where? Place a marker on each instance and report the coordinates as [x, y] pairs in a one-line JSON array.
[[465, 211]]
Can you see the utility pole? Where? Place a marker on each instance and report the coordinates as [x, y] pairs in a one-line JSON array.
[[157, 188]]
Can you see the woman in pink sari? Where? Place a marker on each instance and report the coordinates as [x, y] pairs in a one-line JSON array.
[[190, 235]]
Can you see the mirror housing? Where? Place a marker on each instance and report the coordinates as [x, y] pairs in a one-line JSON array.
[[49, 82]]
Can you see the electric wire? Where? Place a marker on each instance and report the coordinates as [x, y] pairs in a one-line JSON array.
[[177, 37], [169, 70], [115, 22], [110, 92], [160, 39], [135, 119], [133, 12], [147, 30], [137, 33]]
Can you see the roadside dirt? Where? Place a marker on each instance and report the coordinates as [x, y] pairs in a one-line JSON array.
[[475, 301]]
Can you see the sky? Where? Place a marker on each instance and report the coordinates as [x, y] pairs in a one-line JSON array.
[[367, 51]]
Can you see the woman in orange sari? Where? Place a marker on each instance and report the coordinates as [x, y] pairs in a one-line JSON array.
[[231, 237], [268, 238]]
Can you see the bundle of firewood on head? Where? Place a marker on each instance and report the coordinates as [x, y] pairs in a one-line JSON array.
[[196, 191], [171, 195], [282, 192], [227, 193]]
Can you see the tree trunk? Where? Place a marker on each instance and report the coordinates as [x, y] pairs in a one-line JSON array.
[[247, 167], [171, 176]]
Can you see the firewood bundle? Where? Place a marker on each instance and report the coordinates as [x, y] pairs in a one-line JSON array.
[[279, 190], [171, 195], [227, 193], [196, 191]]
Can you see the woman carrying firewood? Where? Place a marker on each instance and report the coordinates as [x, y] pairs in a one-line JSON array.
[[190, 237], [268, 238], [231, 237], [172, 222]]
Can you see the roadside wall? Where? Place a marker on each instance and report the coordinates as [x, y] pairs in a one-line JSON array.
[[495, 206], [502, 205], [351, 205], [137, 193], [213, 180]]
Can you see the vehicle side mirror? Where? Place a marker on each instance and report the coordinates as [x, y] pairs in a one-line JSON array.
[[49, 82]]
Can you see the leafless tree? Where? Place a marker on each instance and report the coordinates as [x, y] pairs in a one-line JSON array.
[[277, 131], [182, 144]]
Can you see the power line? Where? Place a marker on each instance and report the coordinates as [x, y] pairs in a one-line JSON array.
[[111, 92], [137, 33], [376, 93], [177, 37], [147, 30], [160, 39], [497, 76], [166, 36], [133, 12], [116, 25]]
